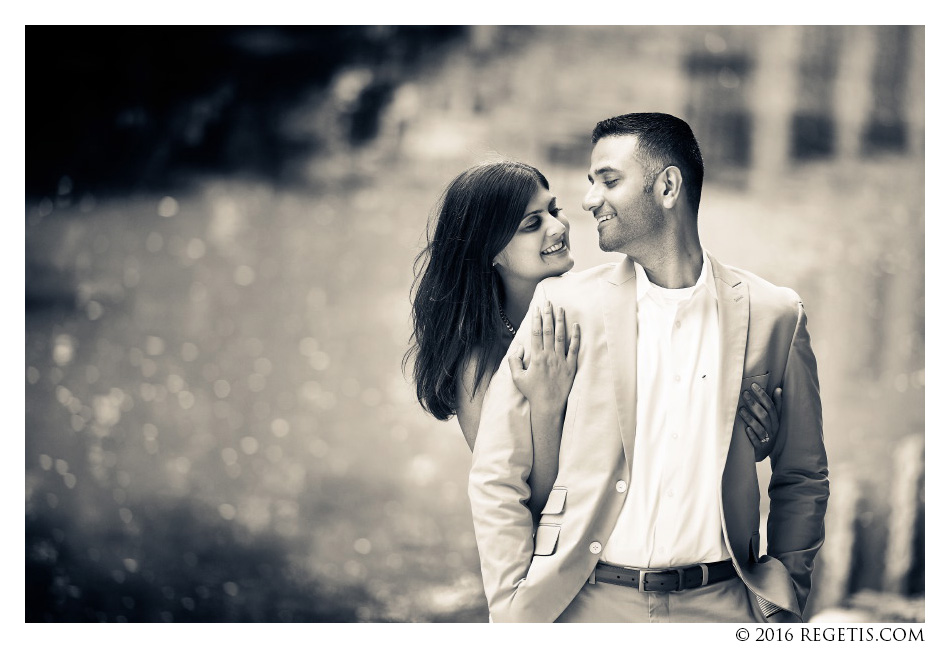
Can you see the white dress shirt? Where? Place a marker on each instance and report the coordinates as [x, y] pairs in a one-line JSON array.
[[671, 516]]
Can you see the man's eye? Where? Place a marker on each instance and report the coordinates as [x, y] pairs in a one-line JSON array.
[[610, 183]]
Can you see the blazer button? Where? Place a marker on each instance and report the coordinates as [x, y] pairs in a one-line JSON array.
[[595, 547], [621, 486]]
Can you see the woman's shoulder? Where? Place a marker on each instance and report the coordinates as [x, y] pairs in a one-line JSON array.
[[468, 369], [465, 380], [470, 390]]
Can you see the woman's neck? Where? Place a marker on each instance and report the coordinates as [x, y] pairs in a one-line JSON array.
[[518, 296]]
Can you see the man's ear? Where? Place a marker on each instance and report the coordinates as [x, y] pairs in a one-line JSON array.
[[672, 186]]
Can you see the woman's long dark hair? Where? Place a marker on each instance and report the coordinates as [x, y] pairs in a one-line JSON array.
[[457, 292]]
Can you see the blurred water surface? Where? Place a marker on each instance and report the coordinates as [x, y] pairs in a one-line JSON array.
[[218, 428]]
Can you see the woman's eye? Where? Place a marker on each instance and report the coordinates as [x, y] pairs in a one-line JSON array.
[[531, 225], [557, 211]]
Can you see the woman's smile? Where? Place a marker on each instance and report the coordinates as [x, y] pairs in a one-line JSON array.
[[554, 249]]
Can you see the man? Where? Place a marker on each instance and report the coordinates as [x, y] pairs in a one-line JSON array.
[[654, 515]]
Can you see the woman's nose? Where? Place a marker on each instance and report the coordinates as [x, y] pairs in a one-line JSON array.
[[555, 227]]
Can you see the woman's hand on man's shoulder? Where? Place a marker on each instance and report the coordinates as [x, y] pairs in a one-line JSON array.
[[545, 377]]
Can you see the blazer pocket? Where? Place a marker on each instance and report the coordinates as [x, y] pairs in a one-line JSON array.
[[762, 380], [545, 539], [556, 500]]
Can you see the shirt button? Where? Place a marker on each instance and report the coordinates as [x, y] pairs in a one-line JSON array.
[[595, 547], [621, 486], [678, 324], [677, 378], [670, 493], [675, 435]]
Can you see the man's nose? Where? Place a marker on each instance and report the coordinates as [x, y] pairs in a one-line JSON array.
[[593, 199]]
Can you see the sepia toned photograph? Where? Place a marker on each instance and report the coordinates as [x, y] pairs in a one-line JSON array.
[[470, 324]]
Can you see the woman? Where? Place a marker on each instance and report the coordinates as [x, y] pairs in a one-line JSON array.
[[499, 232]]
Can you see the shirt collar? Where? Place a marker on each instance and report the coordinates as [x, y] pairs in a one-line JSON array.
[[705, 279]]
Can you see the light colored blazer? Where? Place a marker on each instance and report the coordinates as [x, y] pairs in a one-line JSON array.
[[763, 339]]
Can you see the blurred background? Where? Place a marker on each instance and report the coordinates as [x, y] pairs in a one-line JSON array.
[[220, 229]]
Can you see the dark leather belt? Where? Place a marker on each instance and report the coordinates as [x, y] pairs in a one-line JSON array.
[[672, 579]]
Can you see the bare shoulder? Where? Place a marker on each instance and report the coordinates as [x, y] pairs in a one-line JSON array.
[[465, 381], [470, 393]]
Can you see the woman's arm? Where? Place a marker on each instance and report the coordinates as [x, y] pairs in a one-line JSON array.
[[546, 424], [546, 382], [469, 401]]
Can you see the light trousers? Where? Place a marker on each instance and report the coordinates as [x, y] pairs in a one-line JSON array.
[[727, 601]]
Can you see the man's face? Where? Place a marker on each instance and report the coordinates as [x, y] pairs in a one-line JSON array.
[[627, 212]]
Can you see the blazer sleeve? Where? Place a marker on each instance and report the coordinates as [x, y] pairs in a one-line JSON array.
[[798, 490], [501, 462]]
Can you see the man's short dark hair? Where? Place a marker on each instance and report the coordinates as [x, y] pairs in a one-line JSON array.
[[663, 140]]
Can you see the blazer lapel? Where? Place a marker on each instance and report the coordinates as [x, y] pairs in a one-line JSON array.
[[620, 322], [733, 296]]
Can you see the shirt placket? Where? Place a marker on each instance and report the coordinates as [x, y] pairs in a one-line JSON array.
[[672, 422]]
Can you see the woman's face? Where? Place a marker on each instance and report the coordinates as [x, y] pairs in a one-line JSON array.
[[541, 247]]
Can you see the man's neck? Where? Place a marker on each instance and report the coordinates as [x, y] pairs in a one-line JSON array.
[[678, 266]]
